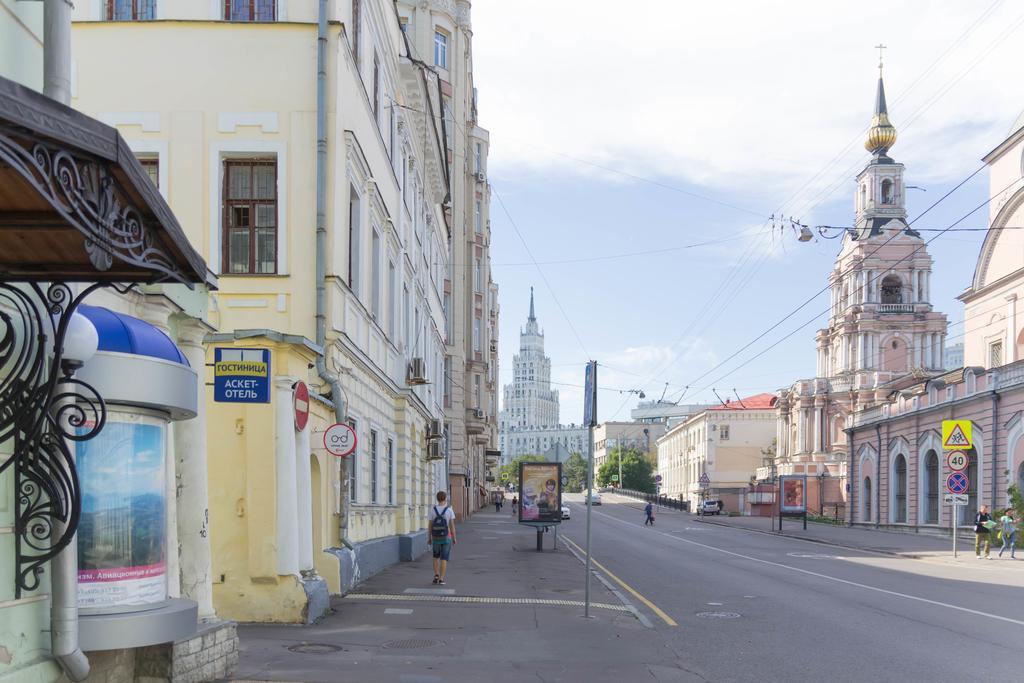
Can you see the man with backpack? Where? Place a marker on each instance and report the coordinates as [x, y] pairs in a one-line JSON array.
[[442, 535]]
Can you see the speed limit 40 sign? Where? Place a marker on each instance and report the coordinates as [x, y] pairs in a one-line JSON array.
[[958, 461]]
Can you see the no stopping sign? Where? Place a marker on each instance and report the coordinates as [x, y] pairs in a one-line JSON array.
[[340, 440]]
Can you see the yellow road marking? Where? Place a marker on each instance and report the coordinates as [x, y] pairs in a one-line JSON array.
[[632, 591]]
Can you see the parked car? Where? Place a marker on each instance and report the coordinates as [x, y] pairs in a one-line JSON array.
[[595, 498], [565, 512], [710, 507]]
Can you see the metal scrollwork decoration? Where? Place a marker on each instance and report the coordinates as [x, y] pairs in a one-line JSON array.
[[87, 196], [42, 407]]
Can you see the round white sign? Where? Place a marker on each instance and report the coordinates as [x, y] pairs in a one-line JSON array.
[[957, 461], [340, 440]]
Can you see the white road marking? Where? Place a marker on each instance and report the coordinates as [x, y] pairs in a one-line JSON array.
[[715, 603], [395, 610], [826, 577]]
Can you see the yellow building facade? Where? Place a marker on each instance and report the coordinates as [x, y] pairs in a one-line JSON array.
[[229, 133]]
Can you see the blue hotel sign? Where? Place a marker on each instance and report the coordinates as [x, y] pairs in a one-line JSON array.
[[241, 375]]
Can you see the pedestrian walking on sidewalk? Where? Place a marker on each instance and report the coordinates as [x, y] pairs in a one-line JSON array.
[[982, 524], [649, 511], [497, 504], [515, 504], [1008, 532], [442, 535]]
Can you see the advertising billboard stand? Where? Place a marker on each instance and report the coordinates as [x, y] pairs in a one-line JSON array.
[[793, 497], [540, 500]]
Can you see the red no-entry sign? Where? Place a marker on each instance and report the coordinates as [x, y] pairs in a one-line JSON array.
[[301, 398]]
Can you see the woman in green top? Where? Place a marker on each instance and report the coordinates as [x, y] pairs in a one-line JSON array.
[[1009, 532]]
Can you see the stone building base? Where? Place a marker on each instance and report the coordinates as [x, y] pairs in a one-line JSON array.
[[370, 557], [209, 655]]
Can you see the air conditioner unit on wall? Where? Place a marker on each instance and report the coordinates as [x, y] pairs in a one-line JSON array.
[[416, 372], [434, 430], [479, 175]]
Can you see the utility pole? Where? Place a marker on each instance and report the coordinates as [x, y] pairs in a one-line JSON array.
[[589, 419]]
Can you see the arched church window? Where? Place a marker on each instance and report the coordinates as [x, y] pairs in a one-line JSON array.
[[887, 191], [892, 290]]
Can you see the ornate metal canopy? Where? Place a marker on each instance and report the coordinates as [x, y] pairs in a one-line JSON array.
[[75, 206]]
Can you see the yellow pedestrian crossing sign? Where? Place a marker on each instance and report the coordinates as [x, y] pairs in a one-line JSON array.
[[956, 435]]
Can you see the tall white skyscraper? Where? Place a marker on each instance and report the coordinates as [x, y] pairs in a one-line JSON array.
[[529, 417]]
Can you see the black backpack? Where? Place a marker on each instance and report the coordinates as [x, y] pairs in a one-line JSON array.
[[439, 527]]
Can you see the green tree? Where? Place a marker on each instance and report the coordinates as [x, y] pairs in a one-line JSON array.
[[512, 469], [575, 468], [637, 471]]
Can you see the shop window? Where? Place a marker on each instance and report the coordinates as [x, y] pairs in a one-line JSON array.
[[250, 216]]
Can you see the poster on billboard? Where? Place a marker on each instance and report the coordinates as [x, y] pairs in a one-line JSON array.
[[794, 494], [122, 538], [541, 499]]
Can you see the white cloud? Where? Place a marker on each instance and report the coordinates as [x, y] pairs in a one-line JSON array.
[[744, 98]]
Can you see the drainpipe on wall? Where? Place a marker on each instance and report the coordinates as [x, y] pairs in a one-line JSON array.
[[878, 477], [64, 645], [337, 393]]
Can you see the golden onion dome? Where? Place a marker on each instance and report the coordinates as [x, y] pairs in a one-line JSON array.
[[882, 134]]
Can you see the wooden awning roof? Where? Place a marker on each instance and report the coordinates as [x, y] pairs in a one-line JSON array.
[[76, 205]]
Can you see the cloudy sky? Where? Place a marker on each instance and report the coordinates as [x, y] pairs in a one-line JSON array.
[[640, 149]]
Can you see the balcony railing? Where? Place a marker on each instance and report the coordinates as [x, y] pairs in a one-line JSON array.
[[895, 308]]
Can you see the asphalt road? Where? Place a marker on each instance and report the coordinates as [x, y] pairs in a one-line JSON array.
[[805, 611]]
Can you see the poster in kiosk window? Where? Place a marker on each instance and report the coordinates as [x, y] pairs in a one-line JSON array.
[[541, 492], [794, 494]]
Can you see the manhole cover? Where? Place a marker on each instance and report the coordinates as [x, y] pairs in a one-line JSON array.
[[313, 648], [718, 615], [409, 644]]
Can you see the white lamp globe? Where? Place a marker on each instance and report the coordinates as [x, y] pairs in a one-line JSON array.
[[80, 341]]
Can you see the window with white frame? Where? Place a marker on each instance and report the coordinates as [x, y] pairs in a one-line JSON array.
[[391, 472], [479, 158], [353, 468], [376, 89], [374, 467], [356, 30], [392, 303], [723, 432], [250, 216], [375, 276], [250, 10], [151, 165], [441, 49], [354, 220], [995, 354], [477, 276], [130, 10], [476, 334], [478, 217]]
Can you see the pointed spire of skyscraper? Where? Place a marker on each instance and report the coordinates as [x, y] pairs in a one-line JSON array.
[[532, 316]]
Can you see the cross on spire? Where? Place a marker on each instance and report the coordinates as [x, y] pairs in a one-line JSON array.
[[880, 47]]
